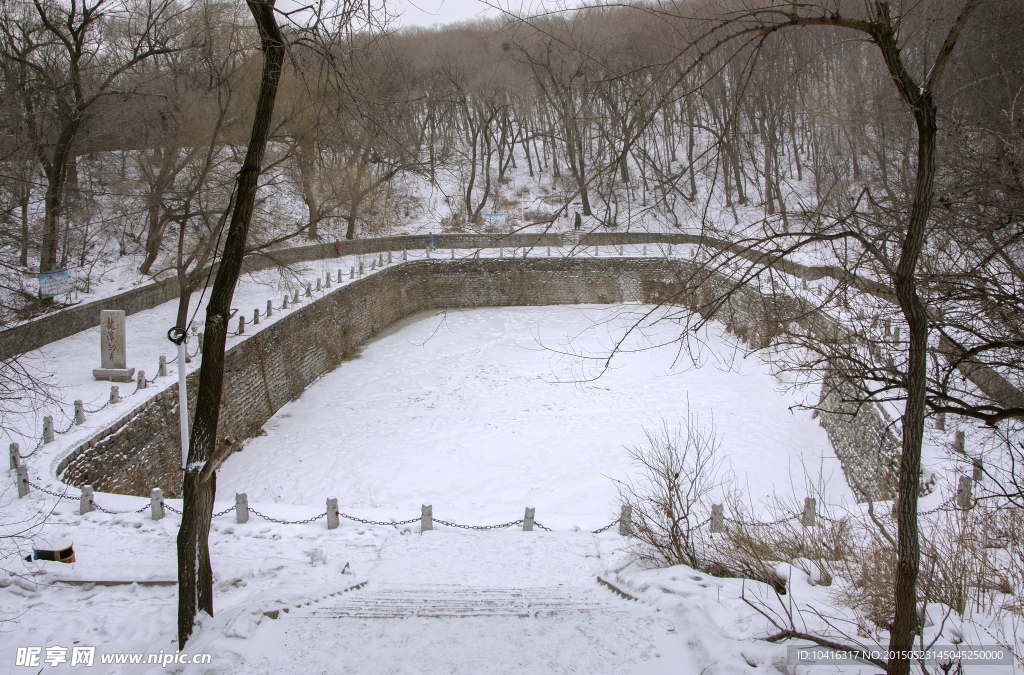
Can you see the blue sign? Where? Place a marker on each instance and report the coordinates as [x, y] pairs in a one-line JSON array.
[[494, 221], [57, 282]]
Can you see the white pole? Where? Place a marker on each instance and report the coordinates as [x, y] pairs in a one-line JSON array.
[[182, 404]]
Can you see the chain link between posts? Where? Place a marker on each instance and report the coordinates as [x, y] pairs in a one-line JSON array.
[[380, 523], [89, 411], [480, 527], [744, 523], [50, 492], [410, 521], [63, 496], [288, 522], [952, 498]]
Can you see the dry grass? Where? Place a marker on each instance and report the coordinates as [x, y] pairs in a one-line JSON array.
[[972, 561]]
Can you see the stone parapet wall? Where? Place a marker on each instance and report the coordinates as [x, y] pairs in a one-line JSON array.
[[275, 365], [66, 322], [863, 437]]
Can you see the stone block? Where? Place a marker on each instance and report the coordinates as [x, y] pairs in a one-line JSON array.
[[114, 374]]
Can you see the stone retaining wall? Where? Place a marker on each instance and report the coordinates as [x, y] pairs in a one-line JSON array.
[[275, 365], [34, 334]]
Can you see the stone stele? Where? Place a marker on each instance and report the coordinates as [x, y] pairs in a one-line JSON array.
[[113, 361]]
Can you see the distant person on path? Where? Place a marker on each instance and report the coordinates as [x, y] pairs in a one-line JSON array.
[[578, 223], [337, 247], [430, 241]]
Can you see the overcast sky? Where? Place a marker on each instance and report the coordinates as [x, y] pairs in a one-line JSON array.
[[429, 12]]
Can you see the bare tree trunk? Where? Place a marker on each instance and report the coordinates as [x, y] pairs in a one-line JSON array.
[[195, 578], [157, 220], [24, 193], [306, 176], [908, 547]]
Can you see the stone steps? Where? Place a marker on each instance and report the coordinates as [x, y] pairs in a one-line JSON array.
[[398, 601]]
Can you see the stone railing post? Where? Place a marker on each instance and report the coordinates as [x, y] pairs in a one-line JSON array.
[[528, 519], [717, 518], [85, 502], [810, 509], [963, 494], [626, 520], [156, 504], [241, 508], [332, 514], [22, 480]]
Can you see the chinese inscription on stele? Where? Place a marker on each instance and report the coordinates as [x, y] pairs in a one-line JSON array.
[[113, 359]]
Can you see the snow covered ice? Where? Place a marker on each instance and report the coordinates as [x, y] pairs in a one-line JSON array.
[[483, 412]]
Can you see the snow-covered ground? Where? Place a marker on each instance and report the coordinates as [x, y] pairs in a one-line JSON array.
[[483, 412], [479, 413]]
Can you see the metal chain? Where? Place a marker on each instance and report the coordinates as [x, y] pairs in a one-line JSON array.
[[115, 513], [88, 411], [95, 505], [190, 356], [392, 523], [379, 522], [71, 424], [481, 527], [760, 524], [50, 492], [287, 522], [39, 444]]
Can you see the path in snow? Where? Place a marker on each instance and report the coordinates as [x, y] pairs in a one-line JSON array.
[[480, 602]]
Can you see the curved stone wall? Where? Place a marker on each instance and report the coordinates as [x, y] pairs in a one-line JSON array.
[[274, 366]]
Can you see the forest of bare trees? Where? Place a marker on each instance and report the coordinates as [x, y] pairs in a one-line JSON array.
[[880, 142]]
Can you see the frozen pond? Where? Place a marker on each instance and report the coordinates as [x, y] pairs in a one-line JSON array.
[[488, 410]]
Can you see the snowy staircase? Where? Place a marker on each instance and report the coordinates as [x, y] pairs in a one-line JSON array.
[[396, 601]]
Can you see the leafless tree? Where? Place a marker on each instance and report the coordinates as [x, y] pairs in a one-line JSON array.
[[70, 56]]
